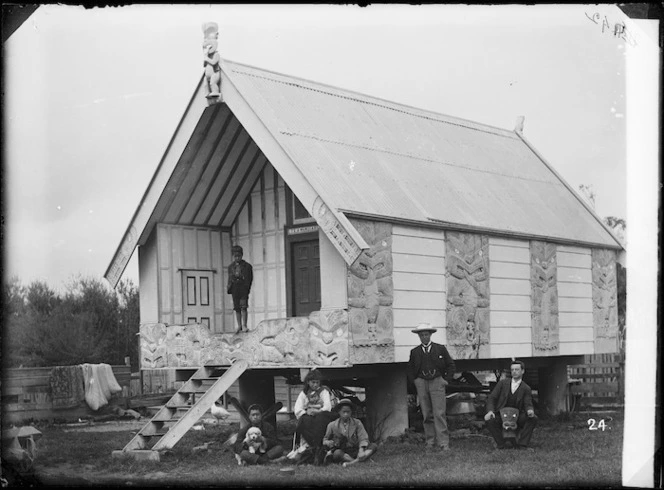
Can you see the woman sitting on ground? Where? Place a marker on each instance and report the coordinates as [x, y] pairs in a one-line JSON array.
[[346, 439], [313, 411]]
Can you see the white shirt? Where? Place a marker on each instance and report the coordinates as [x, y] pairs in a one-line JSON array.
[[515, 385], [302, 403], [426, 348]]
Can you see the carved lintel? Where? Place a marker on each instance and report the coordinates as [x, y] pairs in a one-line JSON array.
[[467, 266], [544, 298]]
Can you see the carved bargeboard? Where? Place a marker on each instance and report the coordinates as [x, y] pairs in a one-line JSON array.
[[544, 298], [320, 340], [605, 299], [467, 267], [370, 296]]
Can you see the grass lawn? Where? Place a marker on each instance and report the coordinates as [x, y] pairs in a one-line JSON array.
[[566, 454]]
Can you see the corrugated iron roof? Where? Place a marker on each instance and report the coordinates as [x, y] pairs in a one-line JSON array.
[[370, 157], [380, 158]]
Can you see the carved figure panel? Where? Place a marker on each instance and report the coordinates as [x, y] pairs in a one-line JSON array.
[[328, 332], [605, 294], [467, 265], [371, 294], [544, 298], [153, 348], [320, 339]]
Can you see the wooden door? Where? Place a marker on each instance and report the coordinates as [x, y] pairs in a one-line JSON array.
[[306, 277], [198, 301]]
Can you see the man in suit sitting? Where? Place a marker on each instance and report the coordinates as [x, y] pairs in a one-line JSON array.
[[430, 368], [512, 393]]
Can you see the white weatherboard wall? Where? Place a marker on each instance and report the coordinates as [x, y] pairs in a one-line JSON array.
[[189, 247], [575, 300], [333, 279], [509, 284], [259, 230], [418, 268], [147, 279]]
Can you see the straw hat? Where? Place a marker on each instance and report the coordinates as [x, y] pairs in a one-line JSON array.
[[345, 402], [424, 327]]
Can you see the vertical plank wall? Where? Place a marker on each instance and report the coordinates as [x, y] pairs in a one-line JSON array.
[[183, 247], [418, 265], [575, 303], [259, 230], [148, 290], [509, 283]]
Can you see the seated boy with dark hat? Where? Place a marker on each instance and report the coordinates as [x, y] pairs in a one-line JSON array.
[[346, 438]]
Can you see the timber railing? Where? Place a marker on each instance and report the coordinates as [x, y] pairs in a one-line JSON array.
[[599, 383]]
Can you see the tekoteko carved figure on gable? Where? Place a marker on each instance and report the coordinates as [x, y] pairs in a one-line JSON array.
[[211, 60]]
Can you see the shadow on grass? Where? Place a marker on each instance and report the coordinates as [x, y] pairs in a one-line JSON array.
[[566, 453]]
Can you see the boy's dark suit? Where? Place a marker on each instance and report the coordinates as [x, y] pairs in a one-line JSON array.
[[522, 400]]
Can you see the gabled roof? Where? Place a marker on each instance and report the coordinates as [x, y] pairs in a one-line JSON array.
[[359, 156]]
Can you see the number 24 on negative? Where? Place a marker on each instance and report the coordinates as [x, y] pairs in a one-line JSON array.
[[597, 425]]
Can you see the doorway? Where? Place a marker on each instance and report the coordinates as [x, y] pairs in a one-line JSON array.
[[305, 270], [198, 306]]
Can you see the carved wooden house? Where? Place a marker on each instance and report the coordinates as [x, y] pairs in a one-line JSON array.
[[361, 218]]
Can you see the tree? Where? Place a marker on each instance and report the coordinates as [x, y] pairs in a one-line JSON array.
[[88, 323], [129, 320]]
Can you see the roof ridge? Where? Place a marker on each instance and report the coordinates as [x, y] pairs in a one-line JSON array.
[[457, 121]]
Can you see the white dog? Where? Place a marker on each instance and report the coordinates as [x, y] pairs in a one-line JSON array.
[[254, 442]]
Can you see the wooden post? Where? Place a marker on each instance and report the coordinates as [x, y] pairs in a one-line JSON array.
[[387, 402], [553, 386]]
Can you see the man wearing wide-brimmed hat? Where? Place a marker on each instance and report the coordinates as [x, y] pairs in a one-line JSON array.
[[430, 368]]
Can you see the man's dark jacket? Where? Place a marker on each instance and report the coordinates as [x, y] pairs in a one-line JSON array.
[[267, 430], [498, 397], [441, 359]]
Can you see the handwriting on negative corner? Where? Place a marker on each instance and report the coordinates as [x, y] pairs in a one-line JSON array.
[[619, 29]]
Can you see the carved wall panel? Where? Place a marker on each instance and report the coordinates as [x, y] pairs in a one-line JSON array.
[[544, 298], [605, 298], [153, 348], [467, 267], [370, 296], [321, 339]]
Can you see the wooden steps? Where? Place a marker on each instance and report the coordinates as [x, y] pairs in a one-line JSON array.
[[156, 436]]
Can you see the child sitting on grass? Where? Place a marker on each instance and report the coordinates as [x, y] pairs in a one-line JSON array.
[[346, 439]]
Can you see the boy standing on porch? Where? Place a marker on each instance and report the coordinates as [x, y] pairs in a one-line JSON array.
[[240, 277]]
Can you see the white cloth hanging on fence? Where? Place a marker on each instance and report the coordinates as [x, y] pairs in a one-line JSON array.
[[100, 384]]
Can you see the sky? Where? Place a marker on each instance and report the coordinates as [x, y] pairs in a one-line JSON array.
[[92, 98]]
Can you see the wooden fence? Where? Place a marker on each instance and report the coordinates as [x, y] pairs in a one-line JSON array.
[[599, 383], [26, 393]]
